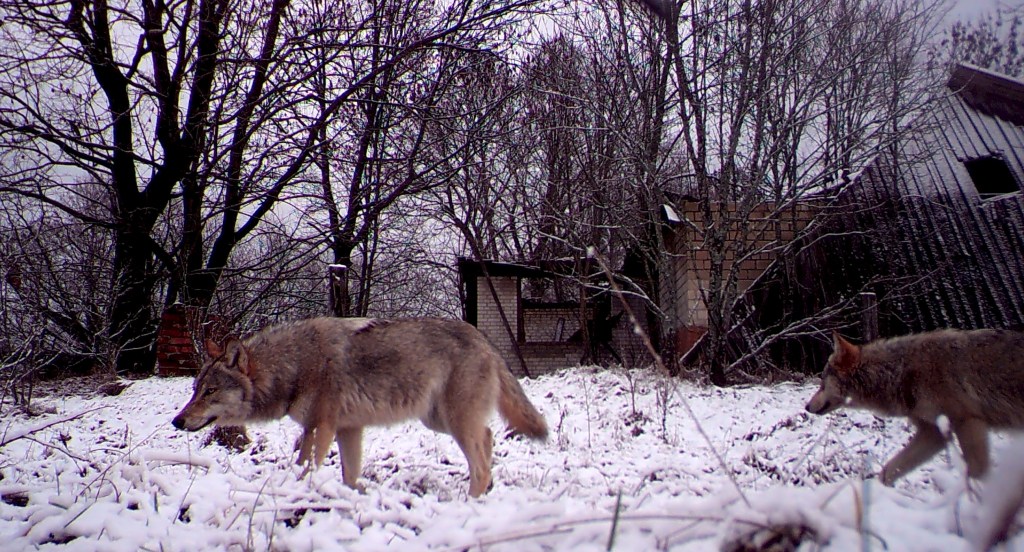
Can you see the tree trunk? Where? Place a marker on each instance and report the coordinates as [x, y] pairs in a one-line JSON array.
[[132, 330], [342, 298], [340, 301], [195, 282]]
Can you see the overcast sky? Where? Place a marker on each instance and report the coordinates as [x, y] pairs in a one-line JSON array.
[[968, 9]]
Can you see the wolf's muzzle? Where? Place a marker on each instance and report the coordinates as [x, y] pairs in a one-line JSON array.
[[179, 422], [819, 405]]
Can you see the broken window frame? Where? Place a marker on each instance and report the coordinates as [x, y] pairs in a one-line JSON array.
[[986, 168]]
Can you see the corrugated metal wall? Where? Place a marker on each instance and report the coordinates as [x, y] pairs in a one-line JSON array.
[[914, 230]]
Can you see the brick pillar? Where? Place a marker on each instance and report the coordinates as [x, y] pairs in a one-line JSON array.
[[181, 330]]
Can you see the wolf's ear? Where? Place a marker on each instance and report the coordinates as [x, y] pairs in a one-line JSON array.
[[845, 355], [213, 350], [237, 356]]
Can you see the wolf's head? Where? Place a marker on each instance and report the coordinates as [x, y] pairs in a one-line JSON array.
[[222, 392], [835, 391]]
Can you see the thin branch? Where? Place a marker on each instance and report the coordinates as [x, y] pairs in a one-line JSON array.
[[639, 331]]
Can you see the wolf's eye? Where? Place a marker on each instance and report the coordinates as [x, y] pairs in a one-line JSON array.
[[209, 391]]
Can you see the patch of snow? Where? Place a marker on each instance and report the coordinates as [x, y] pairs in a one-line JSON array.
[[111, 473], [671, 215]]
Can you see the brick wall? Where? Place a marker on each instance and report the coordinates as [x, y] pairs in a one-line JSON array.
[[545, 325], [488, 319], [540, 353], [544, 358], [182, 330], [689, 266]]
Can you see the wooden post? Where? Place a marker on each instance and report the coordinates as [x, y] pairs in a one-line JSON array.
[[869, 315], [337, 284], [588, 347]]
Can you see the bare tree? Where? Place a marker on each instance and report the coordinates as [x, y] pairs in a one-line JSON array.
[[568, 155], [585, 187], [993, 41], [198, 120], [385, 150], [627, 87], [53, 296], [483, 153], [777, 101], [126, 96]]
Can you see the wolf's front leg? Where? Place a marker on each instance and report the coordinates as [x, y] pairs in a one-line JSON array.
[[972, 434], [305, 447], [350, 441], [923, 445]]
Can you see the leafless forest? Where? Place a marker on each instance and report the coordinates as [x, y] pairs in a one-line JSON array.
[[222, 153]]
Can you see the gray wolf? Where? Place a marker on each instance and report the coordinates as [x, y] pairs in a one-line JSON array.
[[974, 378], [334, 376]]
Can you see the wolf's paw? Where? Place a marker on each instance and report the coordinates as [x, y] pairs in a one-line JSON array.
[[888, 477], [357, 487], [308, 467]]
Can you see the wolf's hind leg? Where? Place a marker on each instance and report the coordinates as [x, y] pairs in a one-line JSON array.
[[476, 443], [923, 445], [350, 441], [323, 436], [972, 434]]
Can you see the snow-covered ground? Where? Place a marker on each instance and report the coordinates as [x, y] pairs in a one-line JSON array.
[[626, 468]]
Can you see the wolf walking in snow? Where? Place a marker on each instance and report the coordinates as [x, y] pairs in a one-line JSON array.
[[335, 376], [973, 378]]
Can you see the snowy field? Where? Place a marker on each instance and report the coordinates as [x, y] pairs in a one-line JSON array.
[[626, 468]]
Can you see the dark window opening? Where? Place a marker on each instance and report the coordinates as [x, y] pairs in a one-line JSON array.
[[991, 176], [542, 291], [549, 309]]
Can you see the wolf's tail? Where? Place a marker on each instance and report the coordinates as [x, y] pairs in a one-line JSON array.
[[517, 410]]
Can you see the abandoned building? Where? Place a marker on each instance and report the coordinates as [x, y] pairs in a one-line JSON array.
[[934, 230], [687, 266], [544, 318]]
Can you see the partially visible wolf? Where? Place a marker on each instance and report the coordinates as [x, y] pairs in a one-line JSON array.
[[336, 375], [974, 378]]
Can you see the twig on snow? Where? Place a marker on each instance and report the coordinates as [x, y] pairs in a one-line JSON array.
[[10, 437]]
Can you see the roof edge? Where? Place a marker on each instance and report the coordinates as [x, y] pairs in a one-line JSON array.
[[989, 92]]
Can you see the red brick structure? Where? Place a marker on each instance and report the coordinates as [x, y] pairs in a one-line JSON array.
[[181, 333]]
